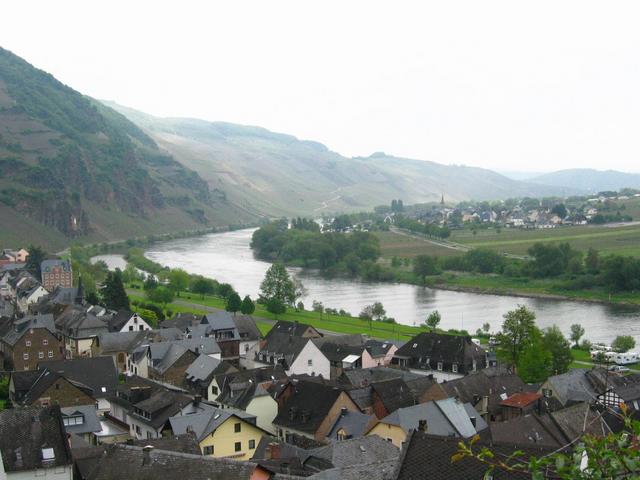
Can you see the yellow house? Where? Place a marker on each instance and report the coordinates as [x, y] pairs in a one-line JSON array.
[[446, 418], [221, 433]]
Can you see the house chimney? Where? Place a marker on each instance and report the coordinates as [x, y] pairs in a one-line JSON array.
[[197, 399], [422, 425], [273, 451], [146, 454]]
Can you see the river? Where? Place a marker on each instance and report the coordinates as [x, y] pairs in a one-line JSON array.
[[228, 258]]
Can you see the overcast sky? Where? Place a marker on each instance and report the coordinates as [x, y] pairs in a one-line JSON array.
[[533, 86]]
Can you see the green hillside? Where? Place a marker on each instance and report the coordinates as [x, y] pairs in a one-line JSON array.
[[278, 174], [590, 180], [73, 169]]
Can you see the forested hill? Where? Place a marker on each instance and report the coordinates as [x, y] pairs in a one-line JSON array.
[[73, 168], [278, 174]]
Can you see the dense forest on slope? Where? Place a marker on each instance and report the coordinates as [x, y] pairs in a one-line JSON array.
[[82, 170]]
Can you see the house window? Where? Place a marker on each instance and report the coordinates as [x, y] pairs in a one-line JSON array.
[[25, 356], [439, 366], [310, 362], [28, 342], [141, 327], [237, 427], [50, 353], [45, 342], [238, 446], [546, 392], [208, 450], [214, 390], [454, 368], [131, 328], [252, 444], [76, 420], [40, 354], [475, 366]]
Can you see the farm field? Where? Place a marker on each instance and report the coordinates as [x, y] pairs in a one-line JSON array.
[[406, 246], [623, 240]]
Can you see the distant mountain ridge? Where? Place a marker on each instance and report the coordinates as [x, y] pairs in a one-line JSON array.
[[71, 167], [277, 174], [589, 180]]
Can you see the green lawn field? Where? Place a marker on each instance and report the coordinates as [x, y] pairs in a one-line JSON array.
[[620, 240], [405, 246]]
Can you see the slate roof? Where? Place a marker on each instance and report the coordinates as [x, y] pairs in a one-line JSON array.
[[153, 397], [572, 387], [626, 386], [119, 320], [203, 368], [428, 457], [393, 394], [446, 417], [377, 348], [495, 383], [47, 265], [247, 327], [181, 321], [283, 347], [361, 450], [45, 380], [207, 422], [308, 405], [26, 432], [336, 352], [90, 416], [237, 389], [440, 347], [126, 461], [365, 376], [355, 424], [112, 342], [98, 373], [580, 418], [384, 470], [529, 430], [76, 322], [186, 443], [291, 328], [14, 331]]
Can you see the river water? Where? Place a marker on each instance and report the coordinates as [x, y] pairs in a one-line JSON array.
[[228, 258]]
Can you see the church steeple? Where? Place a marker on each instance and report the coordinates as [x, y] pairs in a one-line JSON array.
[[80, 292], [442, 200]]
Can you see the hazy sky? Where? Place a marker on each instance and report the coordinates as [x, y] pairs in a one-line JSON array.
[[508, 85]]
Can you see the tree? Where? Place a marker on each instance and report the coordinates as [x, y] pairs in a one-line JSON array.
[[233, 304], [203, 286], [299, 290], [318, 307], [247, 307], [34, 260], [486, 327], [113, 292], [161, 295], [377, 311], [560, 210], [592, 261], [577, 331], [277, 284], [535, 363], [518, 329], [623, 343], [178, 280], [555, 343], [276, 306], [150, 283], [225, 290], [433, 320], [424, 265]]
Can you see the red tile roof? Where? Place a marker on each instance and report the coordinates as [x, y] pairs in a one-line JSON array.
[[520, 400]]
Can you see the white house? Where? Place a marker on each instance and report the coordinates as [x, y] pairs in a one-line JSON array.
[[29, 297]]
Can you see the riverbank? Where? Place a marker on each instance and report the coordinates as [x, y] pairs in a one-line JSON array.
[[530, 288]]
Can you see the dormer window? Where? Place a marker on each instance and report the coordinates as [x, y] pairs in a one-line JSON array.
[[439, 366], [454, 368]]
